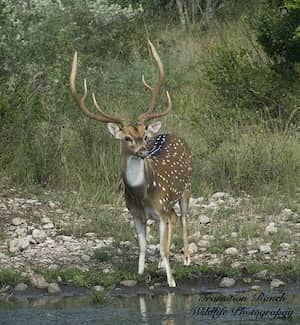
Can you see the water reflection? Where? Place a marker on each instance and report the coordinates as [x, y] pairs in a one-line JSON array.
[[161, 307], [171, 309], [168, 303]]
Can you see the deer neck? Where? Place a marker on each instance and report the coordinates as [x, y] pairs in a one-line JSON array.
[[133, 170]]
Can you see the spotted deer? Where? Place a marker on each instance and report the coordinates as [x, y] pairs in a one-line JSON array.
[[156, 169]]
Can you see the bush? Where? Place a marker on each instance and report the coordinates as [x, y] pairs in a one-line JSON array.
[[246, 82], [277, 25]]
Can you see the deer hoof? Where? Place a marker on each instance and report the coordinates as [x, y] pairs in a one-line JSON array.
[[186, 261], [172, 283]]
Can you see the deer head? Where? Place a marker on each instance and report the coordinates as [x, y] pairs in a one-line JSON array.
[[134, 137]]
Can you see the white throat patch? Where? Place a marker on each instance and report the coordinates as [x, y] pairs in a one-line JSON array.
[[134, 171]]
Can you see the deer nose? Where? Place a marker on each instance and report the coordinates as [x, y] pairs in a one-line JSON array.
[[142, 153]]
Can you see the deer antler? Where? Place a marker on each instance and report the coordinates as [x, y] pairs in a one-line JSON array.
[[104, 117], [155, 90]]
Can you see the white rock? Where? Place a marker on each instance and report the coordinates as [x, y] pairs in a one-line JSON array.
[[208, 237], [196, 235], [285, 246], [13, 245], [39, 235], [48, 226], [227, 282], [51, 205], [38, 281], [21, 232], [261, 275], [234, 234], [53, 288], [21, 287], [231, 251], [31, 201], [211, 206], [196, 202], [107, 271], [85, 258], [236, 265], [276, 283], [256, 288], [129, 283], [203, 243], [193, 248], [203, 219], [271, 229], [98, 288], [153, 247], [45, 220], [220, 195], [53, 267], [17, 221], [18, 244], [265, 248], [286, 213], [90, 234], [214, 261], [252, 251]]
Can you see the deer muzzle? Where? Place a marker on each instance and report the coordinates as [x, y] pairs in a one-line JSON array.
[[142, 153]]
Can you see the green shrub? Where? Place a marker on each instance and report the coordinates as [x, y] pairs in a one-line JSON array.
[[246, 82], [277, 25]]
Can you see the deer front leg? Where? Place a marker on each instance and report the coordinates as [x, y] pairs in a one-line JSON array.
[[140, 227], [164, 250]]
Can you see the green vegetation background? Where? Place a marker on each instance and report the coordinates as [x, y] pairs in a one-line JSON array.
[[233, 77]]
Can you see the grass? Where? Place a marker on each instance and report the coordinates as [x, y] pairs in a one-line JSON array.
[[8, 277], [88, 279], [103, 255]]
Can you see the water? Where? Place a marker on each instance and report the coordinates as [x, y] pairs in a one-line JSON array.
[[208, 307]]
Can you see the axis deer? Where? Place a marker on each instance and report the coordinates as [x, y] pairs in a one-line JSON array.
[[156, 170]]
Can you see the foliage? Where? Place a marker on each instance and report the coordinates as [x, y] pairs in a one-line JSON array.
[[277, 25], [9, 277], [102, 255], [220, 82], [37, 39], [247, 82]]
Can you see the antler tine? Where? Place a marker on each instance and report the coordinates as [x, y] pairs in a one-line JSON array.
[[146, 117], [161, 78], [147, 86], [155, 90], [81, 100]]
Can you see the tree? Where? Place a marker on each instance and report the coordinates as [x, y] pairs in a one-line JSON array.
[[278, 30]]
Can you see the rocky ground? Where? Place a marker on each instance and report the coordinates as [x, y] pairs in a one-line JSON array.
[[223, 230]]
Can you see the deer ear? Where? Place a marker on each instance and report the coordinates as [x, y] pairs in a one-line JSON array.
[[153, 128], [115, 130]]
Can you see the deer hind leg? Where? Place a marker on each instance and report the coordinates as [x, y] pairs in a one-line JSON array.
[[164, 249], [140, 226], [184, 205], [171, 225]]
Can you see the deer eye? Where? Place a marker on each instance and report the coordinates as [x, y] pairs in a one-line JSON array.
[[128, 139]]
